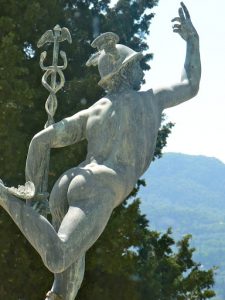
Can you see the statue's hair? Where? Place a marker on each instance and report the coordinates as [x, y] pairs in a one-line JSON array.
[[123, 76]]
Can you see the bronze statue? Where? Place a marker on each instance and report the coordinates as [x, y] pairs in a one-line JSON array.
[[121, 130]]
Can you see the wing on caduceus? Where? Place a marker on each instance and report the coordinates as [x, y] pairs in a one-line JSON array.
[[47, 37], [65, 35]]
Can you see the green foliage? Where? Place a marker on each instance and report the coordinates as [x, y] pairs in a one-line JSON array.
[[128, 258], [144, 264], [163, 134], [191, 199]]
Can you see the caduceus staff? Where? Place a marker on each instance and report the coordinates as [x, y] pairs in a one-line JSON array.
[[38, 198], [54, 36]]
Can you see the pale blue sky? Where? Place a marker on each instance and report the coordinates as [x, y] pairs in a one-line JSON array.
[[200, 122]]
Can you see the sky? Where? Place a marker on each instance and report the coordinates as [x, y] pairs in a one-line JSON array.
[[200, 122]]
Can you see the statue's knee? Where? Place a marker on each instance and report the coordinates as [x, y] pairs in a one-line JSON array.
[[42, 137], [55, 260], [34, 141]]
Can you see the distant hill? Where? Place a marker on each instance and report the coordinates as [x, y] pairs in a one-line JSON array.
[[187, 193]]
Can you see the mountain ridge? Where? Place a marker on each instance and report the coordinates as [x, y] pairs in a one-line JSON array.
[[187, 193]]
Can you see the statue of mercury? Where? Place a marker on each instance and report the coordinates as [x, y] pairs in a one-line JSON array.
[[121, 130]]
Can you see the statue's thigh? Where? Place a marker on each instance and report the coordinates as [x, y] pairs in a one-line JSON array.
[[91, 202], [85, 221]]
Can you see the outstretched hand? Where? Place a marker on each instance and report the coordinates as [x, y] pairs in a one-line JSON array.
[[184, 27]]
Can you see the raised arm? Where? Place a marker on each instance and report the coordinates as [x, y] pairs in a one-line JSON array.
[[188, 87]]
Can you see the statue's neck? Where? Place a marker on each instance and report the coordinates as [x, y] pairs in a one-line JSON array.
[[121, 89]]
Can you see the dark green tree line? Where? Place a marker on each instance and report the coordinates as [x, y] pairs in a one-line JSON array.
[[129, 258]]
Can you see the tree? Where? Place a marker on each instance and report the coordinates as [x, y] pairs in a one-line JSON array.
[[22, 115]]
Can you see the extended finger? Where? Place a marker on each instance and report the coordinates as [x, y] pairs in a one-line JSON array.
[[185, 10], [176, 19], [181, 14]]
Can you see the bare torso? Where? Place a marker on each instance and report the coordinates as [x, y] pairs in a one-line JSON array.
[[121, 132]]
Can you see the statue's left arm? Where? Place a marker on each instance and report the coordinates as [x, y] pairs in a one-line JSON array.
[[66, 132], [188, 87]]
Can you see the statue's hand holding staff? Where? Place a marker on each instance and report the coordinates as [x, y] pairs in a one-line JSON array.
[[184, 26]]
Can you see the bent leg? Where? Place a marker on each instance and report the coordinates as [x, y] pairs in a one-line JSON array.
[[38, 231], [80, 228], [67, 283]]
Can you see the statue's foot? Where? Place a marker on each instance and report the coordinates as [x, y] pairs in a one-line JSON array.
[[25, 192], [52, 296]]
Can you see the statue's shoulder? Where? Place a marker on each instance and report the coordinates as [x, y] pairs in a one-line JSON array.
[[100, 106], [149, 99], [148, 94], [102, 102]]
